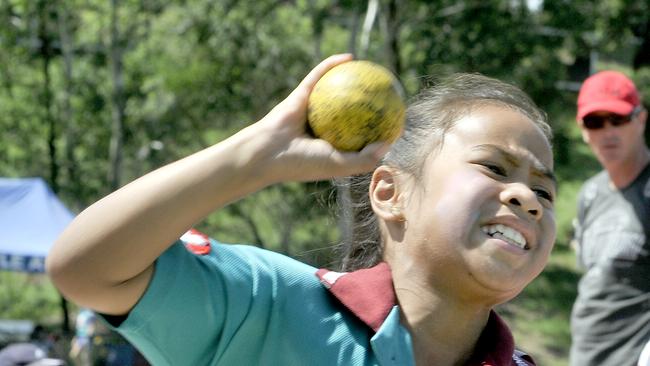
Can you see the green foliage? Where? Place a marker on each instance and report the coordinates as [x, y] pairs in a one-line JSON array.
[[196, 71], [289, 218], [27, 297]]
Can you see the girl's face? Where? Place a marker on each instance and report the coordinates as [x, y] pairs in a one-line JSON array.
[[481, 219]]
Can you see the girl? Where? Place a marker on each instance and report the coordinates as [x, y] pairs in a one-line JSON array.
[[460, 220]]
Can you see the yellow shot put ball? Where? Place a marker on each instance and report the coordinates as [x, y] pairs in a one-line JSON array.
[[356, 103]]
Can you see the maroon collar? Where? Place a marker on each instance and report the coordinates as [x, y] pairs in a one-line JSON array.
[[369, 294]]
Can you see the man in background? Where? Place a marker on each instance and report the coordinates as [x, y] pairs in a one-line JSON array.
[[610, 321]]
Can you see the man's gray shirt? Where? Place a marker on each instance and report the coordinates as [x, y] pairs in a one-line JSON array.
[[610, 320]]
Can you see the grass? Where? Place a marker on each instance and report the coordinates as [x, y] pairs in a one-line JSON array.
[[539, 316]]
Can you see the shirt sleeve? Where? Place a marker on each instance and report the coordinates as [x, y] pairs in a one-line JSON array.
[[196, 305]]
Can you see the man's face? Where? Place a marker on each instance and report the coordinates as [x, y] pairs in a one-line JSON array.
[[481, 220], [613, 144]]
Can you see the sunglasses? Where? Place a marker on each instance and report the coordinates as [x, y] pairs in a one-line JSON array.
[[596, 122]]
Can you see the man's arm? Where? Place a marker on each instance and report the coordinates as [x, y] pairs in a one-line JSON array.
[[104, 259]]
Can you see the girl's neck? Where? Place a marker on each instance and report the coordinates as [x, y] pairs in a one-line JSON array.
[[443, 332]]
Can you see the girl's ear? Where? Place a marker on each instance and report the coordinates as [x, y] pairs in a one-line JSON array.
[[385, 194]]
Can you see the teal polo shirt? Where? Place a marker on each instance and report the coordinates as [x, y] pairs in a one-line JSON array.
[[242, 305]]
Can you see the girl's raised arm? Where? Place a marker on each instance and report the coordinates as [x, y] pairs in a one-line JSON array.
[[104, 259]]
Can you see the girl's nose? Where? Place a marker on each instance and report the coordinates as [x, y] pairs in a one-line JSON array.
[[520, 195]]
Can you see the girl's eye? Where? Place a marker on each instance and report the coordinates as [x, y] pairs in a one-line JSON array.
[[496, 169], [544, 194]]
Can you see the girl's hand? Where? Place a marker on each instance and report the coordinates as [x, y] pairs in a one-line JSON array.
[[297, 156]]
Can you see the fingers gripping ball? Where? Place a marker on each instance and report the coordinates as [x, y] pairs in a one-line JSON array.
[[356, 103]]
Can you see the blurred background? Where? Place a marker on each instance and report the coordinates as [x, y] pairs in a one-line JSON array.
[[95, 93]]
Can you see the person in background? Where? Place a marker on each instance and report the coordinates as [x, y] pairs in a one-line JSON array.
[[82, 344], [610, 320], [459, 218]]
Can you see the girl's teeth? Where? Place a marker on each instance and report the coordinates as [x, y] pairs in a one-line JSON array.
[[506, 233]]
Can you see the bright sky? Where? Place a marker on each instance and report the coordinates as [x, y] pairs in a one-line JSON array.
[[534, 4]]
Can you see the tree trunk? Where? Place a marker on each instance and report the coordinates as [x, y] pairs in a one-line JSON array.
[[642, 57], [345, 196], [354, 31], [371, 15], [46, 54], [346, 216], [237, 211], [286, 230], [117, 102], [392, 37], [317, 20], [70, 130]]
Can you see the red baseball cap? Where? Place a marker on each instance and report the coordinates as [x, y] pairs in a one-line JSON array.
[[608, 91]]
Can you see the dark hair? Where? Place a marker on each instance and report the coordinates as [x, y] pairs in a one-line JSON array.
[[429, 117]]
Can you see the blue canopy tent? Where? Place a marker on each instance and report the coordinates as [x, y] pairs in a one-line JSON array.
[[31, 218]]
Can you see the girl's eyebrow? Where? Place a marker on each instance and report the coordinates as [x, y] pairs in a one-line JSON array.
[[538, 167]]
